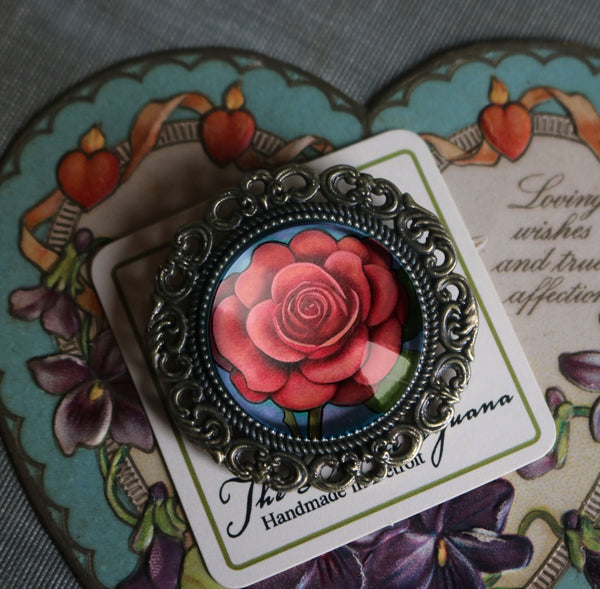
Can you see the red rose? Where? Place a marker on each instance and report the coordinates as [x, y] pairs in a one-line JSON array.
[[312, 322]]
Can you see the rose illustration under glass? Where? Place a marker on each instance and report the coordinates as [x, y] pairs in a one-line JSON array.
[[312, 328], [309, 330]]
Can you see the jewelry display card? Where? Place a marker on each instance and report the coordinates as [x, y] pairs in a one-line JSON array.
[[247, 532]]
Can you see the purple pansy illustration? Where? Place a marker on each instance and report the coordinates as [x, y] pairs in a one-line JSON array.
[[329, 571], [160, 544], [57, 309], [452, 544], [562, 410], [98, 397], [583, 370], [447, 546], [54, 299]]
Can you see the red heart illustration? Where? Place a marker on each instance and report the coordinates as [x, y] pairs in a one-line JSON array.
[[88, 179], [226, 134], [507, 128]]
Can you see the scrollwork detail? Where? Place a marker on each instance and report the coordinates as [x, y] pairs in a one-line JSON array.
[[175, 280], [458, 315], [253, 461], [347, 186], [399, 445], [434, 410], [450, 375], [426, 235], [167, 331], [192, 245], [334, 473]]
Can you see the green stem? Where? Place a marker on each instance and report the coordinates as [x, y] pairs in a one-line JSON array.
[[544, 516], [85, 335], [314, 423], [290, 420], [581, 411], [110, 488], [103, 461]]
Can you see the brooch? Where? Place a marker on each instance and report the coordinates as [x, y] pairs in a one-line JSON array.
[[312, 329]]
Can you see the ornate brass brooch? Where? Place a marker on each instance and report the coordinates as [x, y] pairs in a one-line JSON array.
[[312, 328]]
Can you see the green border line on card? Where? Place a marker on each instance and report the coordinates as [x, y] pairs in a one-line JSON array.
[[367, 512]]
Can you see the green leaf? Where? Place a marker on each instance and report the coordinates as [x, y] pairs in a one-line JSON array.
[[489, 580], [575, 549], [164, 521], [144, 531], [589, 534], [394, 384], [561, 420], [194, 574]]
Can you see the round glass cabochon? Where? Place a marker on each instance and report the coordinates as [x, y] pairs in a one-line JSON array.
[[316, 330]]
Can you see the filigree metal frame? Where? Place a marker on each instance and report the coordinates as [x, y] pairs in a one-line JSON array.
[[178, 330]]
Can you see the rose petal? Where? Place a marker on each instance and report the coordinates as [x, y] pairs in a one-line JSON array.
[[254, 284], [130, 425], [300, 394], [354, 246], [402, 305], [384, 293], [582, 369], [341, 365], [107, 360], [226, 289], [381, 353], [59, 373], [262, 373], [347, 269], [351, 393], [29, 303], [81, 420], [313, 246], [491, 553], [291, 276], [237, 378], [378, 254], [263, 334], [322, 337]]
